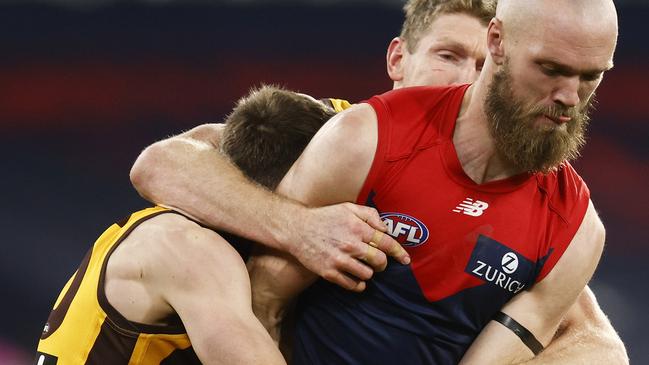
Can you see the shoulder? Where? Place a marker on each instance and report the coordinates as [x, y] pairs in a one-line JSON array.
[[584, 251], [172, 247], [567, 192], [339, 155], [419, 97], [592, 228], [355, 124]]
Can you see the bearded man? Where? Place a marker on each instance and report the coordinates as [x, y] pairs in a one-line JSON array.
[[474, 182]]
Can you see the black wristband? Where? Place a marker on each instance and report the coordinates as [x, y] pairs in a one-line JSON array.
[[526, 336]]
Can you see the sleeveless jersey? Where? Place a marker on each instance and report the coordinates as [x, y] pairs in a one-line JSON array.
[[473, 246], [83, 328]]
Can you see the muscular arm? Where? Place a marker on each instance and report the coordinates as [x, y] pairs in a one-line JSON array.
[[541, 309], [330, 170], [205, 281], [188, 173], [169, 266], [585, 336]]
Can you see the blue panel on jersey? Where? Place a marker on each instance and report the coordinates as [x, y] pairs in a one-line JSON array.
[[390, 323], [495, 263]]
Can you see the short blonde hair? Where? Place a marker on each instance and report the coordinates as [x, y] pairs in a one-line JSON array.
[[420, 14]]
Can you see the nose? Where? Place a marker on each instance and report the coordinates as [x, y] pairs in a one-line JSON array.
[[567, 93]]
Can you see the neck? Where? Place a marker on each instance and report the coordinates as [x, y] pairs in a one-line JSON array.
[[472, 138]]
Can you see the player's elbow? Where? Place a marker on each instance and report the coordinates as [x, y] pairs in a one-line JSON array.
[[146, 170], [618, 353], [610, 348]]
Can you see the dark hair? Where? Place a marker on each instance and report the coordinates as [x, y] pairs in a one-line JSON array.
[[268, 130]]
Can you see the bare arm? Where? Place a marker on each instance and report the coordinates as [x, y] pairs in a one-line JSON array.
[[205, 281], [585, 336], [189, 174], [330, 170], [541, 309]]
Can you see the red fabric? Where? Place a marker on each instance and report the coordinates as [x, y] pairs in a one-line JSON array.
[[416, 173]]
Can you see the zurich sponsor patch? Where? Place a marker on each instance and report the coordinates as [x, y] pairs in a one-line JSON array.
[[495, 263], [407, 230]]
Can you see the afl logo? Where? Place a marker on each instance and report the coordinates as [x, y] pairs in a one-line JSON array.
[[408, 231]]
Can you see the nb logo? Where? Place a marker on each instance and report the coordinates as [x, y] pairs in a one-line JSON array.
[[471, 207]]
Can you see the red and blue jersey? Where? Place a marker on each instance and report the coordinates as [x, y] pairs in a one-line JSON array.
[[473, 246]]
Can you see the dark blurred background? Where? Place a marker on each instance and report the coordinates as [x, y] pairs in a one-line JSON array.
[[85, 85]]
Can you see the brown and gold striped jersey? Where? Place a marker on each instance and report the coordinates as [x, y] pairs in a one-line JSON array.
[[83, 328]]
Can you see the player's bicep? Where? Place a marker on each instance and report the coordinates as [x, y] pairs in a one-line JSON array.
[[334, 165], [541, 309], [210, 290]]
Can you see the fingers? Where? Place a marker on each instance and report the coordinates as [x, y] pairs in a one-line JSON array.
[[375, 258], [347, 248], [369, 216], [345, 281], [382, 241], [387, 244]]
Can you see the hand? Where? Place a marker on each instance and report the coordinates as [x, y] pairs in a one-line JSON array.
[[345, 243]]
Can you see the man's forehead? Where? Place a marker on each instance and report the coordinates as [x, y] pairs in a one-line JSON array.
[[581, 54], [460, 24], [458, 32]]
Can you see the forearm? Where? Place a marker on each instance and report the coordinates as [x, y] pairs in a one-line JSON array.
[[587, 347], [193, 177], [541, 309], [586, 336], [276, 280], [189, 174]]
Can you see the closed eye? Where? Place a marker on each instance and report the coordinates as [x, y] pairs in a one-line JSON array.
[[550, 71], [448, 56], [591, 77]]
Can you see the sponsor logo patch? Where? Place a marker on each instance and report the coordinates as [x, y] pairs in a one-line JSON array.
[[471, 207], [405, 229], [497, 264]]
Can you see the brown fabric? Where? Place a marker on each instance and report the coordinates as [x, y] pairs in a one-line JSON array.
[[58, 314], [113, 346]]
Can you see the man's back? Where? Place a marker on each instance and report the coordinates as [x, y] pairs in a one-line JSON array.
[[85, 327], [157, 288]]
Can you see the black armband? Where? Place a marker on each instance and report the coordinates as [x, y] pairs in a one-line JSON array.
[[526, 336]]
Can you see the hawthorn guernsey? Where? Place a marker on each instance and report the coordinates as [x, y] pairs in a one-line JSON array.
[[473, 246]]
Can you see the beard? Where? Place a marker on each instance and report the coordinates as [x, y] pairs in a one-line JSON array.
[[525, 145]]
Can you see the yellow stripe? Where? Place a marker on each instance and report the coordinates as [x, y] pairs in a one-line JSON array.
[[340, 104], [151, 349]]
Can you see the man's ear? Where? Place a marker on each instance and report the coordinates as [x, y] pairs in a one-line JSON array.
[[495, 42], [394, 59]]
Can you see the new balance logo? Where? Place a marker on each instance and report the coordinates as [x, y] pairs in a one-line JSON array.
[[471, 207]]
